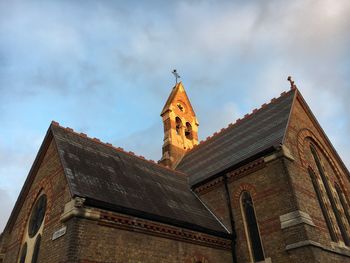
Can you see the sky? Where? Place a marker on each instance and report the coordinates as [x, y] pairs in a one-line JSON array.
[[104, 68]]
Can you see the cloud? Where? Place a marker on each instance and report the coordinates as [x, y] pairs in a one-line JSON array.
[[104, 68], [6, 204]]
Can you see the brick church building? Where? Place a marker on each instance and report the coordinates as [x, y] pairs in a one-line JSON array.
[[268, 188]]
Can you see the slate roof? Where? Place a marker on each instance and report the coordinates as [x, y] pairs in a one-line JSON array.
[[264, 129], [113, 179]]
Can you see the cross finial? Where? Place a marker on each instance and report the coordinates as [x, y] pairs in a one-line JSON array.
[[292, 85], [177, 76]]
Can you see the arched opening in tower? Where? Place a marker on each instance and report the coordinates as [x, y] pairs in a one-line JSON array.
[[178, 125], [188, 131]]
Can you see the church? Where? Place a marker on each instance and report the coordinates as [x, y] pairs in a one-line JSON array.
[[270, 187]]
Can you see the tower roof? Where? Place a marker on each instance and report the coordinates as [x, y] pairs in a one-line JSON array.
[[178, 87]]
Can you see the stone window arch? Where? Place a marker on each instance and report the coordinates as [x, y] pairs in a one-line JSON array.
[[331, 197], [251, 227], [304, 137]]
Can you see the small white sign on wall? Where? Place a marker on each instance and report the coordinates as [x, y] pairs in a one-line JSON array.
[[59, 233]]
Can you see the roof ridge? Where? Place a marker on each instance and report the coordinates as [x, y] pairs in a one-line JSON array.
[[239, 120], [120, 149]]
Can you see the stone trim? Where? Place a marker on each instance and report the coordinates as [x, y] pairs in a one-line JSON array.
[[344, 251], [283, 152], [231, 176], [266, 260], [76, 208], [162, 230], [295, 218]]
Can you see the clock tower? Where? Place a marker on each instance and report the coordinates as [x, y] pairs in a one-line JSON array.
[[180, 127]]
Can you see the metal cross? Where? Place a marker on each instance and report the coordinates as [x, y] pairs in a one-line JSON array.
[[292, 85], [177, 76]]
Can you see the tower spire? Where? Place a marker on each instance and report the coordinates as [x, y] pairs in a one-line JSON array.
[[180, 126]]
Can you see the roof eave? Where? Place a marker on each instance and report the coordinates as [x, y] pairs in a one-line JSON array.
[[148, 216], [29, 179]]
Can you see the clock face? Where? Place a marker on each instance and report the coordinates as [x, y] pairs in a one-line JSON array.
[[180, 106], [37, 216]]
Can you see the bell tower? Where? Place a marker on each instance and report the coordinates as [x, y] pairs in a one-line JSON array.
[[180, 127]]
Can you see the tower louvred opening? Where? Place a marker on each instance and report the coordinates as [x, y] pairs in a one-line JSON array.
[[178, 125], [188, 131]]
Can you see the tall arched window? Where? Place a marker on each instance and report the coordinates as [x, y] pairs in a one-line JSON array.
[[324, 210], [331, 197], [343, 202], [36, 249], [22, 259], [251, 227], [178, 124]]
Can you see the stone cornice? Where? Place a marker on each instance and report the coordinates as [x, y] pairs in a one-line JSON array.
[[76, 208], [162, 230], [233, 175]]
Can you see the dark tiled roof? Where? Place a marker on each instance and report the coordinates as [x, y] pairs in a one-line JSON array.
[[126, 183], [256, 133]]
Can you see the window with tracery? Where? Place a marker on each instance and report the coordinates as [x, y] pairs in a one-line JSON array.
[[343, 202], [331, 197], [37, 216], [251, 226], [32, 236]]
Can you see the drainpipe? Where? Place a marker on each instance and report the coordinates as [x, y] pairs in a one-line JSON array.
[[233, 231]]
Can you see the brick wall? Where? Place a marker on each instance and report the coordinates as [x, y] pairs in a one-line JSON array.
[[303, 130], [50, 178], [272, 197], [100, 243]]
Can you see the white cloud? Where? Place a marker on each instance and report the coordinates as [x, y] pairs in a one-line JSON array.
[[6, 205], [233, 56]]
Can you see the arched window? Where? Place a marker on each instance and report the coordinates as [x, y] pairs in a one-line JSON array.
[[22, 259], [37, 216], [36, 249], [34, 228], [331, 198], [178, 123], [251, 227], [343, 202], [188, 131], [324, 210]]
